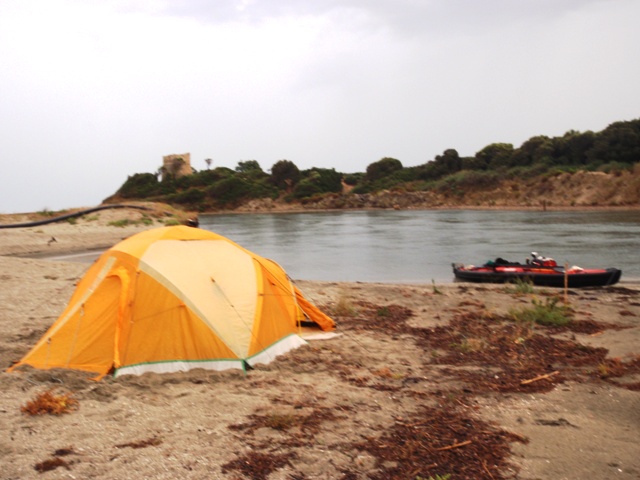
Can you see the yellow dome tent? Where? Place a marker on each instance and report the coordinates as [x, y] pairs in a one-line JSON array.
[[173, 299]]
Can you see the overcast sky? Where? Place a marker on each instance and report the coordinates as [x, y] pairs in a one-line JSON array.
[[94, 91]]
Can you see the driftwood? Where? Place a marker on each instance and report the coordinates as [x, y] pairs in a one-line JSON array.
[[455, 445], [539, 377]]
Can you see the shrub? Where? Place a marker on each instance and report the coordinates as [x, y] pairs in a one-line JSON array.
[[47, 213], [352, 179], [615, 167], [231, 191], [383, 168], [467, 179], [125, 222], [521, 287], [318, 181], [285, 174], [139, 185], [192, 196], [120, 223], [547, 313]]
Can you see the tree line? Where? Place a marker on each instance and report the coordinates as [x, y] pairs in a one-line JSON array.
[[616, 148]]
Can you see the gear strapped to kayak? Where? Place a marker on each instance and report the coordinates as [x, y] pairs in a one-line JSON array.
[[539, 270]]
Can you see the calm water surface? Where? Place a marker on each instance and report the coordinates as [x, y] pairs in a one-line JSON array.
[[419, 246]]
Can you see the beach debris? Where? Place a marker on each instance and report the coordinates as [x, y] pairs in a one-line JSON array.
[[48, 402], [539, 377], [258, 466], [51, 464], [55, 461], [411, 448], [150, 442]]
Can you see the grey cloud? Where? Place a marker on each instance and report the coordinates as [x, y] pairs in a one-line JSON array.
[[401, 16]]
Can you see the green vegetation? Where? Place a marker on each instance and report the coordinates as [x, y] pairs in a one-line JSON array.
[[547, 313], [613, 150], [125, 222], [51, 213], [344, 307], [120, 223], [521, 287]]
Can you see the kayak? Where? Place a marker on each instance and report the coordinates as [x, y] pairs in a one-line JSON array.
[[539, 271]]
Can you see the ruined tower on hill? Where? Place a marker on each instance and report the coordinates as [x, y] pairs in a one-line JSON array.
[[176, 165]]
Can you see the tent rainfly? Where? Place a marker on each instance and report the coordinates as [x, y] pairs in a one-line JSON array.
[[173, 299]]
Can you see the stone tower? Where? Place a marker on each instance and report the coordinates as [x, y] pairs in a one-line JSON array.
[[177, 165]]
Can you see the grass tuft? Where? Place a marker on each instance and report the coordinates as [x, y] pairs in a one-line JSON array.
[[344, 307], [145, 220], [468, 345], [521, 287], [543, 313], [121, 223]]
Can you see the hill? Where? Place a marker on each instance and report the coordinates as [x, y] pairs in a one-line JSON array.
[[566, 190], [579, 169]]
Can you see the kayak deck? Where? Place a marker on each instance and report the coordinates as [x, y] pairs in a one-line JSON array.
[[542, 276]]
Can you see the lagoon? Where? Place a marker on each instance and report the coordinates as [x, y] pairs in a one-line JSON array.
[[419, 246]]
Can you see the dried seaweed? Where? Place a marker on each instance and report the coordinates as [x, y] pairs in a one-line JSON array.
[[258, 466], [150, 442], [51, 464], [48, 402], [306, 424], [439, 441], [507, 353]]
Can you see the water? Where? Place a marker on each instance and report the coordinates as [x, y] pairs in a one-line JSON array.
[[420, 246]]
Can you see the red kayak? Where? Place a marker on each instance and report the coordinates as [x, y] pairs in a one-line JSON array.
[[539, 271]]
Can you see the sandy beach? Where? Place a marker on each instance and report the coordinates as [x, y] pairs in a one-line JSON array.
[[422, 381]]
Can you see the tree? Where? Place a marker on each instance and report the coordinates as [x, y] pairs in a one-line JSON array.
[[450, 160], [538, 149], [495, 155], [446, 164], [285, 174], [577, 145], [318, 181], [382, 168], [139, 185], [619, 142], [248, 166]]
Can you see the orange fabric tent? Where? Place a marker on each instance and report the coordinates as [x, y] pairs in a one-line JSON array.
[[172, 299]]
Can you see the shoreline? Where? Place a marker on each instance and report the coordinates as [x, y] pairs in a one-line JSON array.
[[285, 208], [617, 208], [63, 256]]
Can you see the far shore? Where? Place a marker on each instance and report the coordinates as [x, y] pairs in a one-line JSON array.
[[515, 208], [8, 218]]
